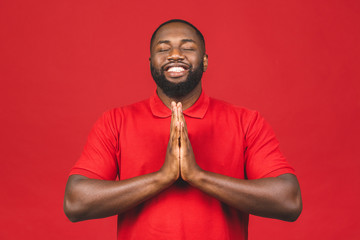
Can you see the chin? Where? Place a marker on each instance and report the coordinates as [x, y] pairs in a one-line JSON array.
[[176, 80], [179, 79]]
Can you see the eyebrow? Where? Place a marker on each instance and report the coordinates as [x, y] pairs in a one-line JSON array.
[[163, 41], [188, 40], [168, 41]]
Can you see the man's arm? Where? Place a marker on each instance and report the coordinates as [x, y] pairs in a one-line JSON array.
[[277, 197], [87, 198]]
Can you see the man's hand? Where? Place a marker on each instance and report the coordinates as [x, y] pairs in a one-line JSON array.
[[188, 166], [171, 166], [180, 159]]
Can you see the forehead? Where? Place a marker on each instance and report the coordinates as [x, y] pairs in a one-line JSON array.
[[176, 31]]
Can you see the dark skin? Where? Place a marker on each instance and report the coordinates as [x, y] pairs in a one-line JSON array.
[[86, 198]]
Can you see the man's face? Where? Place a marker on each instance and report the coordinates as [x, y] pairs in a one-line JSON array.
[[178, 59]]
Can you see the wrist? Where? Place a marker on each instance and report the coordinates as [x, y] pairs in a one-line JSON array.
[[166, 178], [194, 176]]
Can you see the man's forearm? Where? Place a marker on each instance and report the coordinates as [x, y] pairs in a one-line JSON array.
[[277, 197], [91, 198]]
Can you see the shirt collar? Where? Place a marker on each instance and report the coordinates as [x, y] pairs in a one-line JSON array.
[[197, 110]]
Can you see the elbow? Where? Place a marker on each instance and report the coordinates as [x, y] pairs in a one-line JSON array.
[[74, 208], [294, 213], [291, 202], [293, 208], [72, 211]]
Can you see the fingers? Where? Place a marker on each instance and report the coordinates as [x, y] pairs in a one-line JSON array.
[[179, 110], [173, 119], [173, 112], [176, 119], [178, 123], [182, 135], [181, 117]]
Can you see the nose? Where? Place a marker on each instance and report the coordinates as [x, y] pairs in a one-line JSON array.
[[175, 54]]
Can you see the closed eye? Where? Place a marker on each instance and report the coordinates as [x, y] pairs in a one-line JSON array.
[[163, 50]]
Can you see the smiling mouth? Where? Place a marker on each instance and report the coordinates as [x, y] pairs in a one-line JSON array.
[[176, 70]]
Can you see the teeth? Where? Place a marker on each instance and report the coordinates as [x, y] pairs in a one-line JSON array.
[[176, 69]]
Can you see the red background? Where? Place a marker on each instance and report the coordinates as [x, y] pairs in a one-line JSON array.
[[63, 63]]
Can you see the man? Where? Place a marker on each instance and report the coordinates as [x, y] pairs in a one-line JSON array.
[[201, 180]]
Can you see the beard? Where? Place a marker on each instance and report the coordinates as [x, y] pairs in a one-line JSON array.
[[181, 89]]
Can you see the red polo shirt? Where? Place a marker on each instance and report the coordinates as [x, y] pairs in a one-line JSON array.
[[226, 139]]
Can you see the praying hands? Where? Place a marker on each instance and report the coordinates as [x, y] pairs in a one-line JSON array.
[[180, 159]]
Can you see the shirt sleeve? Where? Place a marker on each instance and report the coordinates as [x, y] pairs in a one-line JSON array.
[[101, 152], [262, 155]]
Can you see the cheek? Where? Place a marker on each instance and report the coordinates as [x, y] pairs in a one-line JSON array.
[[195, 61], [155, 65], [158, 61]]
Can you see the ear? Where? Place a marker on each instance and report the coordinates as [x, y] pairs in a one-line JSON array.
[[205, 59]]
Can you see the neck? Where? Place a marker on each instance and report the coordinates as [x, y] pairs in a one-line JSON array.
[[186, 101]]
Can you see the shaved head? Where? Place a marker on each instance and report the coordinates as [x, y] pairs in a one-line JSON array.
[[178, 21]]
